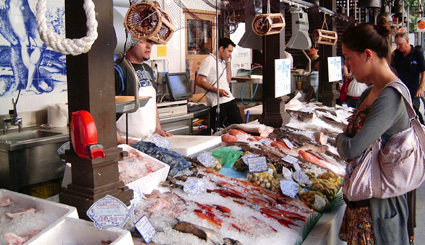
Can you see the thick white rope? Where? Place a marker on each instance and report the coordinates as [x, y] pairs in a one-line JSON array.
[[65, 45]]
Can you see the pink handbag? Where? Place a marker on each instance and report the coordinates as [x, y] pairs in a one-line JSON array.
[[394, 170]]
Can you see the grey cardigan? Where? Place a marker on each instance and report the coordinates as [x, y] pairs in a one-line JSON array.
[[386, 117]]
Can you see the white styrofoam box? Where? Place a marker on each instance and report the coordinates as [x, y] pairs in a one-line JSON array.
[[188, 145], [77, 231], [151, 181], [54, 212]]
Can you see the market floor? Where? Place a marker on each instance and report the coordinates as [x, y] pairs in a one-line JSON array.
[[420, 213]]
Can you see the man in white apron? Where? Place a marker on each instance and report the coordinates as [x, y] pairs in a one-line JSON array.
[[145, 121]]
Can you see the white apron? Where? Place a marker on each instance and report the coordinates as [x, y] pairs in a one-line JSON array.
[[141, 123]]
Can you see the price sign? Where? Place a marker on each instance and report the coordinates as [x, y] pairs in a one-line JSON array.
[[334, 69], [257, 164], [282, 69], [145, 228]]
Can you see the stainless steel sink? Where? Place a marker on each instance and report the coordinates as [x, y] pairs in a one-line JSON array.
[[31, 157], [30, 135], [20, 140]]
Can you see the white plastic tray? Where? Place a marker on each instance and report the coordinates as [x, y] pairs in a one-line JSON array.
[[77, 231], [54, 212], [147, 184], [188, 145]]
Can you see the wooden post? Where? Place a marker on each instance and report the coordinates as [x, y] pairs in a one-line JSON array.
[[91, 87], [273, 48]]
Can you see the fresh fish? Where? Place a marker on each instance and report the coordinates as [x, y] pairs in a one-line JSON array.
[[21, 212], [230, 241], [252, 128], [175, 160], [5, 201], [13, 239], [339, 170], [110, 212], [229, 138], [210, 236]]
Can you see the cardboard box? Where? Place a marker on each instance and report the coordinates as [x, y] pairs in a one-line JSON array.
[[77, 231]]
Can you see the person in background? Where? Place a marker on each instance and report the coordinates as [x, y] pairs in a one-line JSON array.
[[314, 56], [410, 66], [381, 114], [207, 79], [145, 121], [289, 56]]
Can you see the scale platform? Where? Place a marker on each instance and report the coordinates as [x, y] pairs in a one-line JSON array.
[[171, 108]]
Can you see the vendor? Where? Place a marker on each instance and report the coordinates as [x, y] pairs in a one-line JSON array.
[[314, 57], [207, 79], [145, 121]]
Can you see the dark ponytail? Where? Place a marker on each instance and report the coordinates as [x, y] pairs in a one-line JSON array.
[[367, 36]]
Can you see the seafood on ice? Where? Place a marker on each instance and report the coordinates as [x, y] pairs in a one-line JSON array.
[[135, 166], [5, 201], [230, 209], [19, 223], [27, 211]]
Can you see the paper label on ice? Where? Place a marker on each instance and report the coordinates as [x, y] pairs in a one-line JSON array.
[[206, 159], [264, 141], [287, 174], [257, 164], [319, 202], [145, 228], [290, 159], [302, 178], [160, 141], [297, 167], [109, 212], [289, 188], [288, 143], [245, 157], [194, 186]]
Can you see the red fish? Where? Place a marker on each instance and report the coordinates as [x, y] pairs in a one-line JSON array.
[[278, 217], [222, 209], [314, 159], [227, 193], [279, 144], [235, 132], [229, 138], [213, 220]]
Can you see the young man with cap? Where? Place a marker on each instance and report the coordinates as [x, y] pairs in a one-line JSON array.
[[145, 121]]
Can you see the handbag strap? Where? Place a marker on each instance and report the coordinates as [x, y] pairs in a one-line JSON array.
[[414, 120]]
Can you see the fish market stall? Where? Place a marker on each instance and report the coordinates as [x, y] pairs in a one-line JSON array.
[[261, 185], [215, 196]]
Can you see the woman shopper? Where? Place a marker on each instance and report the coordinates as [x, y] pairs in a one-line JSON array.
[[381, 113]]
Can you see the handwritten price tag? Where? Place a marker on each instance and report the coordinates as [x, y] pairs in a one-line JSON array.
[[257, 164], [145, 228]]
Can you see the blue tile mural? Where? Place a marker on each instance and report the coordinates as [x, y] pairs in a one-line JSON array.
[[25, 61]]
